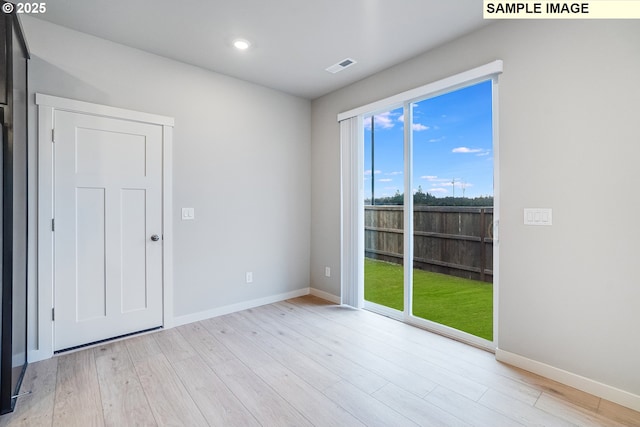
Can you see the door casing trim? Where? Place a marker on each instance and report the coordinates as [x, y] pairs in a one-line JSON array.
[[40, 333]]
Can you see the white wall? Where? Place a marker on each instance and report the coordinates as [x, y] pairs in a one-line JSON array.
[[569, 140], [241, 159]]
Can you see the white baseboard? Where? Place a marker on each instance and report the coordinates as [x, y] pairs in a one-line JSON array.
[[38, 355], [588, 385], [325, 296], [244, 305]]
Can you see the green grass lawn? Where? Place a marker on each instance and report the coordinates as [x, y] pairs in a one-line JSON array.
[[463, 304]]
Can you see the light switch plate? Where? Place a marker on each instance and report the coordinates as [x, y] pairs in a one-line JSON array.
[[538, 216], [188, 213]]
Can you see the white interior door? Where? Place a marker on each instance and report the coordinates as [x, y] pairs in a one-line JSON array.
[[108, 213]]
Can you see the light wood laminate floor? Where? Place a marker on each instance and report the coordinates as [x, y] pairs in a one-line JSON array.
[[302, 362]]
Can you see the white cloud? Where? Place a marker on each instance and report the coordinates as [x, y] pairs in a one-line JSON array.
[[417, 127], [467, 150], [368, 172], [394, 173], [438, 190], [446, 182], [442, 138], [382, 120], [385, 180]]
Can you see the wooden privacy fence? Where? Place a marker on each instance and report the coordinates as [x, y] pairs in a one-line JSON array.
[[452, 240]]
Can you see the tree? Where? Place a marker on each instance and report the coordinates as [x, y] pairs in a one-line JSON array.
[[427, 199], [422, 198]]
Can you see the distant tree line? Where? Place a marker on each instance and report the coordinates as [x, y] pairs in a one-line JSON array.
[[427, 199]]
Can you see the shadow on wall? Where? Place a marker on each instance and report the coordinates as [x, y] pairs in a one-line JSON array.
[[66, 85]]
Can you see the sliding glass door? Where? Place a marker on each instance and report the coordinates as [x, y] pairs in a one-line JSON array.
[[384, 209], [428, 212], [452, 175]]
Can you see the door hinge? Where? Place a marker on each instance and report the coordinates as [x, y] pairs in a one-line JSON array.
[[53, 135], [53, 224], [53, 314]]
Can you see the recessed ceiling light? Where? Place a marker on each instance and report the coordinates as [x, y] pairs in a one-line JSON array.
[[241, 44]]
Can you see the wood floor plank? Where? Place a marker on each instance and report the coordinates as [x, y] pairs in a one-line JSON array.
[[392, 331], [36, 408], [521, 412], [307, 369], [366, 320], [218, 404], [573, 413], [174, 346], [619, 413], [77, 402], [205, 344], [113, 347], [469, 411], [366, 408], [426, 356], [259, 398], [474, 363], [417, 410], [557, 390], [309, 401], [170, 402], [328, 337], [256, 395], [124, 402], [417, 374], [142, 347], [345, 368]]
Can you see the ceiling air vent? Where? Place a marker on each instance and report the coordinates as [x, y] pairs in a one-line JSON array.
[[345, 63]]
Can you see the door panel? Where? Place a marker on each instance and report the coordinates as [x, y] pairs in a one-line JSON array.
[[90, 253], [134, 283], [108, 190], [384, 210], [452, 163]]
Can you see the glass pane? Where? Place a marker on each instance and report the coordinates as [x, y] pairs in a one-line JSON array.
[[383, 219], [453, 209]]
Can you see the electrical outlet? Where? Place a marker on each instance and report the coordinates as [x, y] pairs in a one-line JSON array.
[[327, 271], [249, 277]]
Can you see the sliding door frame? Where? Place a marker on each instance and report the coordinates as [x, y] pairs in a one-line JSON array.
[[353, 210]]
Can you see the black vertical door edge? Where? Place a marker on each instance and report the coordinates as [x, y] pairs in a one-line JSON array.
[[11, 38]]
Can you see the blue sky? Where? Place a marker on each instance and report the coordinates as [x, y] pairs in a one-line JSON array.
[[452, 142]]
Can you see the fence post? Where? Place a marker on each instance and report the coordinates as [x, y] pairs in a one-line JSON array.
[[483, 248]]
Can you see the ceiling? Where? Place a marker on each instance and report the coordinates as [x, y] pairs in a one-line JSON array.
[[293, 41]]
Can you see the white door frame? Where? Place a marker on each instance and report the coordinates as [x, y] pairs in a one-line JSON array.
[[42, 330]]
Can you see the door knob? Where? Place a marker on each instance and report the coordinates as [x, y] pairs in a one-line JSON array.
[[155, 237]]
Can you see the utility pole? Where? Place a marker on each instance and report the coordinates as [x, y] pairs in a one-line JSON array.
[[453, 187], [373, 168]]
